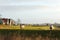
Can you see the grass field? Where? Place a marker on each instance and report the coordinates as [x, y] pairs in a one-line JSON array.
[[9, 27], [27, 27], [8, 32]]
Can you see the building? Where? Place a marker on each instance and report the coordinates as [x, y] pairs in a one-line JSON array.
[[7, 21]]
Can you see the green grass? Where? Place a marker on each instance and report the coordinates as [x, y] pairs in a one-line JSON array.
[[36, 28], [9, 27], [29, 27], [44, 33]]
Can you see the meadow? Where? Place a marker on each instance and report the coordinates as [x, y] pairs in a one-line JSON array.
[[12, 32], [28, 27]]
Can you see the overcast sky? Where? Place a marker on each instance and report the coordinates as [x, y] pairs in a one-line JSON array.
[[31, 11]]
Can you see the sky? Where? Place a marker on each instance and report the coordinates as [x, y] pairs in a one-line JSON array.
[[31, 11]]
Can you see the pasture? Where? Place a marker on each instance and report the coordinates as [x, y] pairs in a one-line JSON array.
[[28, 27], [8, 32]]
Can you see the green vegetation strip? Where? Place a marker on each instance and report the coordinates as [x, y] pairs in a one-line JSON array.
[[49, 33]]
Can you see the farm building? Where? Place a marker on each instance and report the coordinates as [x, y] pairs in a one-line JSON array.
[[6, 21]]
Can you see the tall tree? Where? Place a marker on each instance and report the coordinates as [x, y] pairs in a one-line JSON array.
[[0, 15], [18, 21]]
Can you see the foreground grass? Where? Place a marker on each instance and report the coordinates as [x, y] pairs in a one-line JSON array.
[[44, 33], [29, 34]]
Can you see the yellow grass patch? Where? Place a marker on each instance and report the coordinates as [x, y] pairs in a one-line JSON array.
[[27, 27]]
